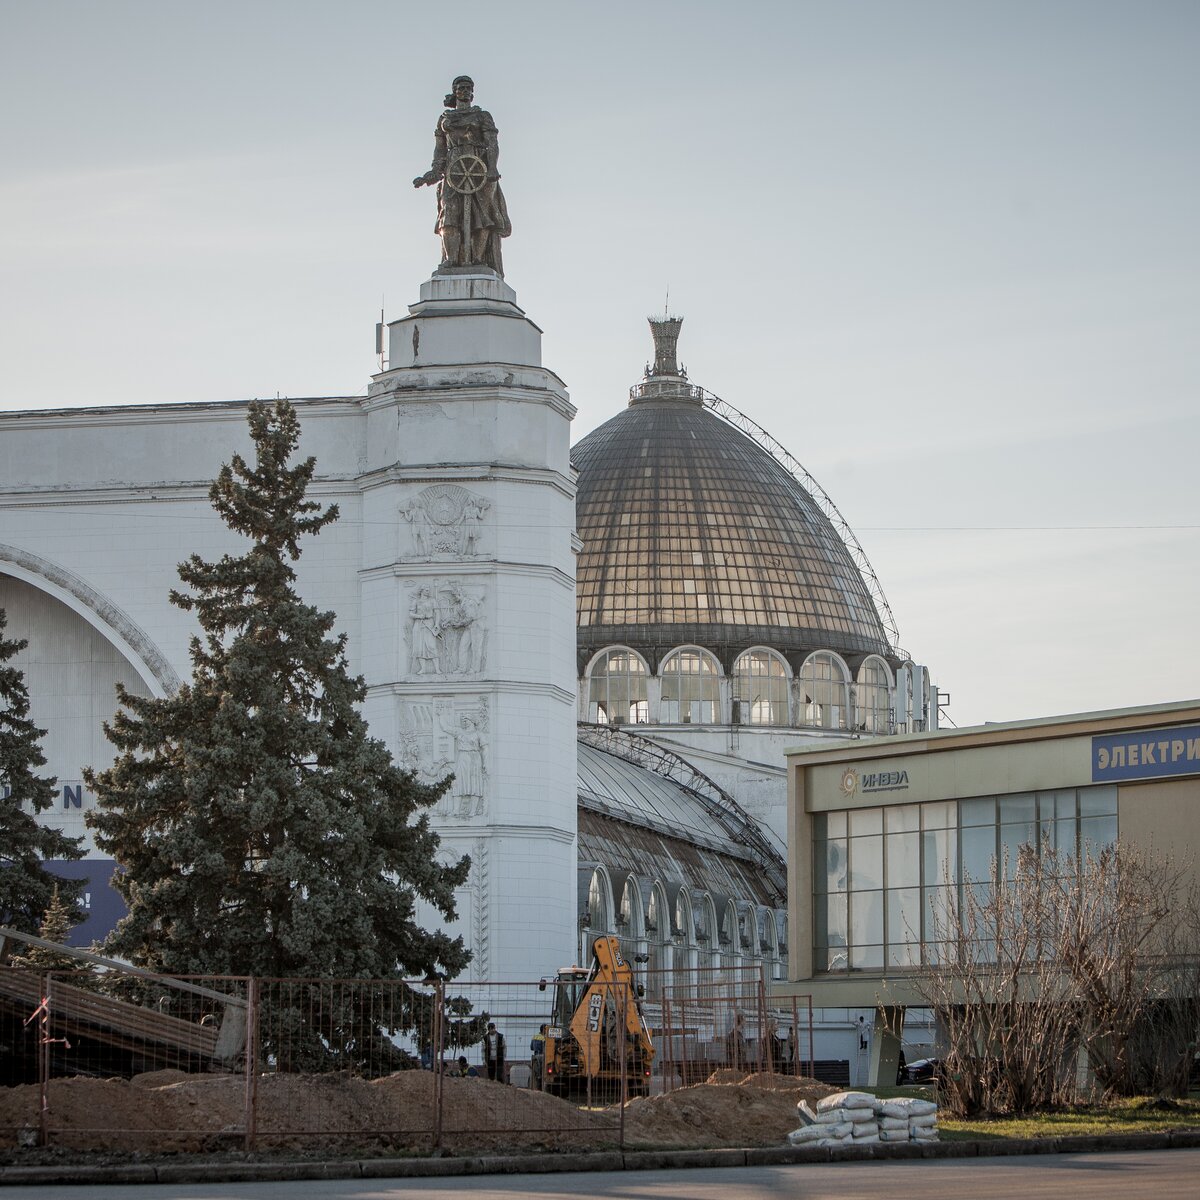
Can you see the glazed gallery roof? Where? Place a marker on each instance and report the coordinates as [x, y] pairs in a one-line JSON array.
[[637, 820], [693, 533]]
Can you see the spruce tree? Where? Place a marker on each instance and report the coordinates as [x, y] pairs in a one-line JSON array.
[[259, 829], [55, 927], [26, 887]]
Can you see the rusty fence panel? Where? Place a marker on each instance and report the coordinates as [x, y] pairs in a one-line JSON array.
[[341, 1059], [409, 1064], [64, 1030], [208, 1063], [515, 1094], [707, 1019]]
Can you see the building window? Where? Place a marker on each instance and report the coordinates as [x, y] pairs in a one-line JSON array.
[[684, 952], [600, 904], [691, 689], [760, 689], [873, 697], [617, 689], [658, 937], [631, 929], [886, 879], [824, 691]]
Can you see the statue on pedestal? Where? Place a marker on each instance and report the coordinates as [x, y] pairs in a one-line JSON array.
[[472, 216]]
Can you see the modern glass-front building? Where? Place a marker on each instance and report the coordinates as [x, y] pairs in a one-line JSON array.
[[886, 834]]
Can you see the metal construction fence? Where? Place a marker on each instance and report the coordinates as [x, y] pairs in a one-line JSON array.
[[108, 1060]]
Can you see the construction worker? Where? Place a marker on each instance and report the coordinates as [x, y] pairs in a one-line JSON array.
[[537, 1057]]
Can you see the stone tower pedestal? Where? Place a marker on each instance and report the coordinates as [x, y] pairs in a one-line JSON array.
[[468, 607]]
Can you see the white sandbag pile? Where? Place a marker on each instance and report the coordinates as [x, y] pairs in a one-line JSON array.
[[858, 1119], [907, 1118]]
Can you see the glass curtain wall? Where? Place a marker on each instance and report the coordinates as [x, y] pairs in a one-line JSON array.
[[884, 878]]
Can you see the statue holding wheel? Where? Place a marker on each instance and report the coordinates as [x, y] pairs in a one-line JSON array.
[[472, 217]]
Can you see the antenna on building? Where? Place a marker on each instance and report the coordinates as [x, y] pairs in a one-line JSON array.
[[379, 328]]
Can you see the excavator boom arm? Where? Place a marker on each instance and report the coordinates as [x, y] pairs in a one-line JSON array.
[[610, 991]]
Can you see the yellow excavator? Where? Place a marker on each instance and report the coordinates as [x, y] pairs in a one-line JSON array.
[[596, 1018]]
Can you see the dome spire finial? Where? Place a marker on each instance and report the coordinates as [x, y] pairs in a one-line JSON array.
[[665, 330], [666, 378]]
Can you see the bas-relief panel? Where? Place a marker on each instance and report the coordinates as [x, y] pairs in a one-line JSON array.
[[446, 633], [443, 523], [447, 735]]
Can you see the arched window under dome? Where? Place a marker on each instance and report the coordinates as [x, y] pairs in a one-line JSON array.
[[691, 689], [824, 691], [658, 938], [602, 918], [873, 696], [617, 689], [760, 689]]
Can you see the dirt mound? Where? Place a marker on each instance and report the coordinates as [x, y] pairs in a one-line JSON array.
[[207, 1112], [731, 1109], [165, 1111], [803, 1087], [154, 1079]]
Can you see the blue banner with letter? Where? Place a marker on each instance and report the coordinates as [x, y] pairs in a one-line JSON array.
[[1148, 754]]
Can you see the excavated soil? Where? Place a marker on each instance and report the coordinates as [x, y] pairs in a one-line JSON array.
[[730, 1109], [169, 1111]]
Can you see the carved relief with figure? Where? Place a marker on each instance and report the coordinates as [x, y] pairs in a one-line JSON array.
[[448, 735], [446, 631], [444, 522]]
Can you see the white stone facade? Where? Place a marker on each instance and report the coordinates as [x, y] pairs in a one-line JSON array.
[[451, 570]]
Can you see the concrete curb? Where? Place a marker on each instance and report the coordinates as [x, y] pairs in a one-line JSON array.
[[612, 1160]]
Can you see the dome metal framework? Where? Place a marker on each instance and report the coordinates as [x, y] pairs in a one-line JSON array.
[[699, 528], [801, 474]]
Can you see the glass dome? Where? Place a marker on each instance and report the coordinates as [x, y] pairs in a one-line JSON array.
[[694, 534]]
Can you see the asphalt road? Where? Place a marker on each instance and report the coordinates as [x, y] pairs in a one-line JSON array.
[[1156, 1175]]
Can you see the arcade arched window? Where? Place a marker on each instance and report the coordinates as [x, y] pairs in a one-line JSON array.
[[601, 918], [691, 689], [824, 688], [617, 689], [873, 699], [760, 689]]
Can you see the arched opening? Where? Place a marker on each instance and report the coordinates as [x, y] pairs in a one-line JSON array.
[[779, 958], [760, 689], [600, 904], [873, 696], [691, 688], [768, 938], [683, 972], [748, 932], [733, 943], [658, 941], [631, 926], [708, 948], [616, 688], [824, 691], [115, 626]]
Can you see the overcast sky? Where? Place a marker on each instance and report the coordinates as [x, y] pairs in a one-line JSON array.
[[946, 252]]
